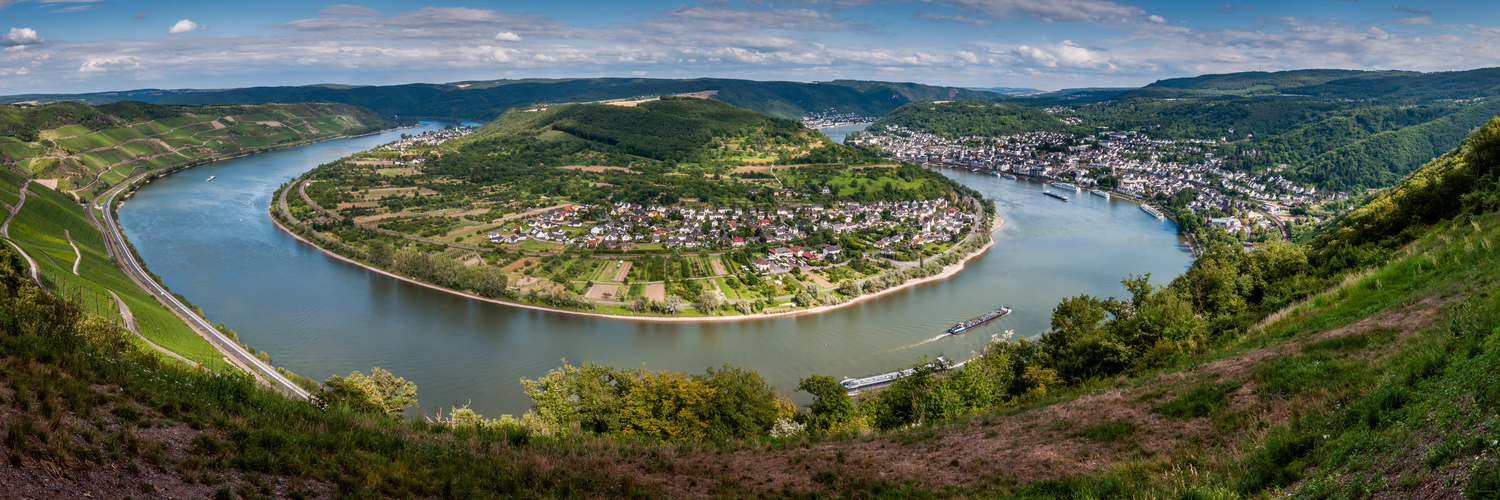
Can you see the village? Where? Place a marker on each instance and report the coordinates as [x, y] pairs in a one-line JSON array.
[[1129, 163], [432, 138], [880, 226]]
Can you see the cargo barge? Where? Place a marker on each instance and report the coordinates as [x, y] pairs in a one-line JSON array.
[[1055, 195], [853, 385], [991, 316]]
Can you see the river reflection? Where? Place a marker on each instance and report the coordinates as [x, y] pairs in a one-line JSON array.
[[214, 243]]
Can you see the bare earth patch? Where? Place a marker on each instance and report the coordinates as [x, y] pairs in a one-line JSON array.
[[656, 292], [597, 168], [717, 264], [602, 291], [623, 272], [819, 280], [381, 217], [512, 267]]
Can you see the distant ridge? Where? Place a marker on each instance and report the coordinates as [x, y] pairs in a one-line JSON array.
[[488, 99]]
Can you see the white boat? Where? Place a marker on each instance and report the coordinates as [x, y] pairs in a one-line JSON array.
[[1101, 194], [211, 177]]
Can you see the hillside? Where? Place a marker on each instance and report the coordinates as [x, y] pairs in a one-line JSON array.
[[90, 148], [486, 100], [1361, 364], [955, 119], [1251, 83]]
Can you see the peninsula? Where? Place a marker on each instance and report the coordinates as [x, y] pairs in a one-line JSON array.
[[677, 208]]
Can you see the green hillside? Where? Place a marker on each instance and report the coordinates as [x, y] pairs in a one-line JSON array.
[[1251, 83], [955, 119], [90, 148], [1360, 365], [486, 100]]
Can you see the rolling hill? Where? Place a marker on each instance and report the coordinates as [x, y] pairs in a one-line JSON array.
[[485, 100]]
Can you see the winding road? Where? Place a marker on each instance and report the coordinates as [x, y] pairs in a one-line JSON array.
[[115, 241]]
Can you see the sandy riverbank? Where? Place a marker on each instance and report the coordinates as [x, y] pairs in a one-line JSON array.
[[948, 271]]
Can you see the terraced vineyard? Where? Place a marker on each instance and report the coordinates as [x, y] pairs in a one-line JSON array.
[[109, 144]]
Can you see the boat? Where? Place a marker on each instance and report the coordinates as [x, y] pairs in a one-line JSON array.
[[1153, 212], [211, 177], [1101, 194], [1064, 185], [1009, 176], [853, 385], [991, 316], [1055, 195], [995, 174]]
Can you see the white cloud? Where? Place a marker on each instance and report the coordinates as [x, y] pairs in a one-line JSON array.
[[1156, 19], [1083, 11], [1063, 55], [21, 36], [108, 64], [185, 26], [506, 36], [346, 10]]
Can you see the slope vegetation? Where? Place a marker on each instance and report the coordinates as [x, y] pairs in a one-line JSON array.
[[1360, 365], [89, 149]]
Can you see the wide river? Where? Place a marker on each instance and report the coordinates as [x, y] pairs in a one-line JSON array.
[[214, 243]]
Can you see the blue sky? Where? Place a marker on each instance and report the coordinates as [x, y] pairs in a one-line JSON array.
[[55, 46]]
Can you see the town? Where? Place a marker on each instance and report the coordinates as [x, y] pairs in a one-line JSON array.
[[1129, 163]]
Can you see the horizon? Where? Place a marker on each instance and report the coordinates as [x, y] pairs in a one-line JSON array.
[[91, 46]]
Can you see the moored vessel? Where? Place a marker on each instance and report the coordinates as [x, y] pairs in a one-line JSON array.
[[1154, 212], [1064, 185], [1101, 194]]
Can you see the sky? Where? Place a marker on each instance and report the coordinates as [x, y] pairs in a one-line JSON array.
[[73, 46]]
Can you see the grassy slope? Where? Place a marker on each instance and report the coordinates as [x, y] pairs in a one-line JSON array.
[[39, 229]]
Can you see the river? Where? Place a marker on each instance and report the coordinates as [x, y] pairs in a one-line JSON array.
[[214, 243]]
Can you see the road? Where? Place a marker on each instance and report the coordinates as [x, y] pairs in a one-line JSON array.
[[131, 325], [115, 240], [36, 271]]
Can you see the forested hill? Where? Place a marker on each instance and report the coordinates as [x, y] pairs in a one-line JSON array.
[[89, 148], [671, 129], [955, 119], [486, 100]]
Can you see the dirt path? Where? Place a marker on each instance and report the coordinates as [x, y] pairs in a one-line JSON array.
[[623, 272], [5, 227], [131, 325], [77, 255]]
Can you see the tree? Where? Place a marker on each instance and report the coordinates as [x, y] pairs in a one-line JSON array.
[[665, 405], [379, 392], [743, 403], [380, 253], [831, 405], [710, 301]]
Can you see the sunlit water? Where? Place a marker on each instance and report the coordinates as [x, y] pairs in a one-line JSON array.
[[214, 243]]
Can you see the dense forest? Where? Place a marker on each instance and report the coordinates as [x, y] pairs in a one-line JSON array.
[[956, 119]]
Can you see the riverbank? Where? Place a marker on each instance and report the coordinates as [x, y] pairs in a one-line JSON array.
[[947, 272]]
